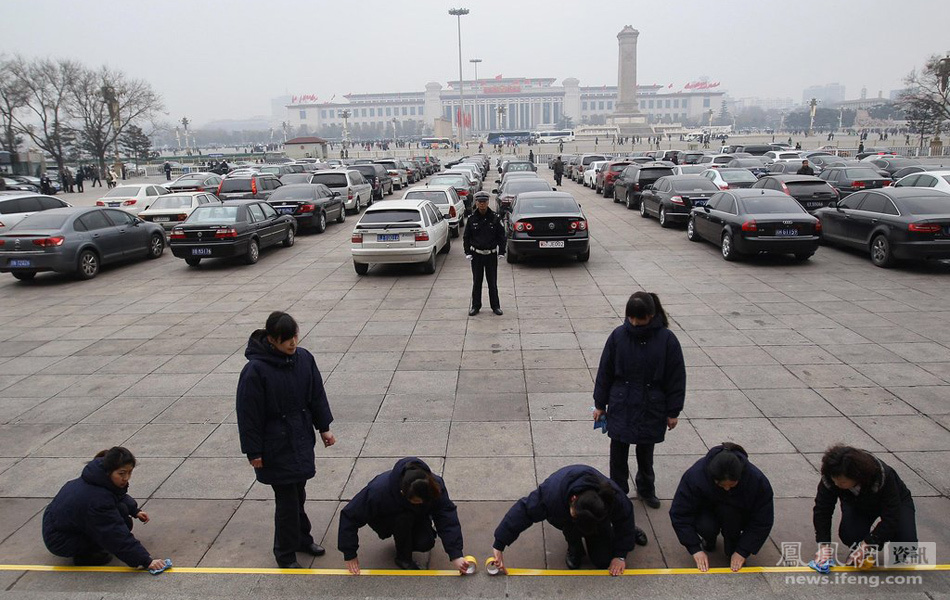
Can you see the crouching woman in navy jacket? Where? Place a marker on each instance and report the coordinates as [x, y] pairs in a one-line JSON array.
[[723, 492], [586, 507], [403, 503], [90, 518]]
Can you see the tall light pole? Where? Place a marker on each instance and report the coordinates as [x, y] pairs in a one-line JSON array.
[[475, 62], [459, 13], [813, 103], [345, 114]]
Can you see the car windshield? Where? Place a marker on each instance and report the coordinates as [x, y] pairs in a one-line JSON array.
[[922, 205], [331, 180], [737, 175], [701, 184], [291, 178], [236, 185], [547, 204], [270, 170], [408, 216], [807, 187], [691, 169], [190, 180], [520, 186], [618, 168], [448, 181], [771, 205], [213, 214], [519, 167], [167, 202], [748, 162], [655, 173], [292, 192], [41, 220], [123, 192], [861, 174], [435, 196]]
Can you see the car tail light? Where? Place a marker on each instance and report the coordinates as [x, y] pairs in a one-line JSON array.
[[129, 202], [375, 181], [524, 226], [888, 183], [220, 185], [724, 186], [422, 236], [226, 232], [100, 203], [177, 234], [199, 189], [2, 242], [181, 217], [750, 226], [308, 208], [356, 238], [349, 195], [817, 226], [452, 212], [636, 187], [924, 227], [677, 200], [253, 186], [785, 188], [578, 225], [49, 242], [462, 192], [857, 184]]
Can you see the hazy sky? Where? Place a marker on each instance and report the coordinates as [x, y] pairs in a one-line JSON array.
[[227, 59]]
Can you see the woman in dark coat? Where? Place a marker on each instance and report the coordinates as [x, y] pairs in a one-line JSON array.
[[587, 508], [280, 400], [90, 518], [403, 503], [869, 491], [723, 492], [640, 389]]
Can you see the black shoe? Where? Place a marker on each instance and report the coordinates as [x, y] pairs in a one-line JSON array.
[[473, 311], [574, 558], [640, 537], [651, 501], [290, 565], [96, 559], [707, 545], [407, 564], [314, 550], [498, 311]]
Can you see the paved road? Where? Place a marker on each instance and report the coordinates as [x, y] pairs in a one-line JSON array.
[[783, 358]]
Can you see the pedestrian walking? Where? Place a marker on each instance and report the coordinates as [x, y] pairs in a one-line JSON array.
[[640, 390], [90, 519], [95, 176], [587, 508], [531, 156], [403, 503], [558, 171], [280, 401], [869, 491], [723, 492], [112, 178], [805, 169], [484, 241], [68, 180], [46, 185], [80, 177], [860, 147], [168, 171], [560, 146]]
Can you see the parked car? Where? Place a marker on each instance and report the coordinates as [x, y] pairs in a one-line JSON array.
[[395, 170], [757, 166], [14, 207], [461, 183], [353, 189], [195, 182], [715, 161], [789, 167], [592, 171], [891, 164], [584, 161], [400, 232], [605, 177], [76, 240], [253, 187], [938, 180], [310, 204], [730, 179], [12, 184], [891, 223], [295, 178], [875, 151], [847, 180], [447, 200], [634, 179], [747, 221], [688, 169], [131, 198], [779, 155], [547, 224], [754, 149], [171, 209], [691, 157], [518, 165], [811, 192], [235, 228], [507, 192], [378, 177], [474, 183], [672, 197], [278, 170]]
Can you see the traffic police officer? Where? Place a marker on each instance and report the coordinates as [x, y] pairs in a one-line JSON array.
[[484, 242]]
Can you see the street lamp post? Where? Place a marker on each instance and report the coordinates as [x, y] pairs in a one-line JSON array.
[[459, 13], [345, 114], [943, 79], [475, 62], [814, 108]]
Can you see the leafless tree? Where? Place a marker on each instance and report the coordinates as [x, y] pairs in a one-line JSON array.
[[927, 93], [12, 99]]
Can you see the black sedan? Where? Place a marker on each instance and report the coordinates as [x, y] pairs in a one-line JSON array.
[[235, 228], [756, 165], [671, 198], [547, 224], [629, 185], [310, 204], [847, 180], [195, 182], [749, 221], [891, 224], [811, 192]]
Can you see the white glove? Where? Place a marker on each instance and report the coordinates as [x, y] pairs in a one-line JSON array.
[[468, 256]]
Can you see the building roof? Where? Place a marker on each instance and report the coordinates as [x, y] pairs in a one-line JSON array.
[[306, 140]]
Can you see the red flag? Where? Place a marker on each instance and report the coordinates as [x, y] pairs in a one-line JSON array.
[[669, 86], [498, 77]]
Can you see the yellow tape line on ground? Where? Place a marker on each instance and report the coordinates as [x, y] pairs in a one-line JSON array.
[[449, 573]]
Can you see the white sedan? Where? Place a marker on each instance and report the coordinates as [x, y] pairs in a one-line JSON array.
[[938, 180], [400, 232], [447, 200], [590, 173], [172, 209], [131, 198]]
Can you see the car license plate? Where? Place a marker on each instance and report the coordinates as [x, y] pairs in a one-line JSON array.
[[201, 251], [700, 202], [286, 210], [162, 219], [113, 204], [551, 244], [21, 263], [387, 237], [786, 232]]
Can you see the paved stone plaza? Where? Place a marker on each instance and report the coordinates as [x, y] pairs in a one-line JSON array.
[[783, 358]]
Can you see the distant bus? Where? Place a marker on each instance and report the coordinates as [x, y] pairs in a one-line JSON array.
[[555, 137], [500, 137], [435, 142]]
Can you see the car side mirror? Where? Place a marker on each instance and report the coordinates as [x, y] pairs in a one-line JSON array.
[[498, 181], [334, 194], [706, 209], [494, 191]]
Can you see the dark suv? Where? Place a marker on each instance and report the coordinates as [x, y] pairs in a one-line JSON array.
[[377, 176], [634, 179], [847, 180], [811, 192], [255, 187]]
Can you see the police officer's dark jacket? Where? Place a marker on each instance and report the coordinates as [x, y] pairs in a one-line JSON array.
[[280, 399], [552, 502], [640, 382], [697, 492], [91, 511], [484, 232], [882, 498], [382, 500]]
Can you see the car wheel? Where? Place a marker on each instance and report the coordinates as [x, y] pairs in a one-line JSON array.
[[291, 237], [803, 256], [448, 245], [454, 231], [606, 193], [156, 245], [643, 209], [429, 266], [664, 222], [88, 264], [585, 256], [728, 251], [24, 275], [253, 252], [691, 234], [616, 199], [596, 189], [511, 257], [321, 223], [361, 268], [192, 262], [629, 202], [881, 254]]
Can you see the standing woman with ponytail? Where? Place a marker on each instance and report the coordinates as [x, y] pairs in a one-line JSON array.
[[640, 387]]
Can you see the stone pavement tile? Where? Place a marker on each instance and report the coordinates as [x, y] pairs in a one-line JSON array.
[[39, 477], [224, 441], [6, 463], [495, 381], [549, 341], [350, 438], [406, 439], [167, 439], [762, 377], [560, 406], [424, 406], [165, 384], [898, 375], [815, 434], [436, 360], [479, 520], [542, 326], [547, 465], [246, 540], [888, 334], [235, 363], [865, 401], [920, 352], [365, 469], [190, 527], [917, 485], [11, 408], [931, 400], [905, 432], [17, 512], [719, 404], [335, 343], [940, 369], [386, 328], [740, 356], [720, 337], [568, 438], [85, 440], [197, 409], [62, 347], [487, 341], [708, 378], [130, 409], [858, 354], [558, 380], [28, 365], [211, 478], [933, 467], [793, 524], [18, 440], [757, 436], [791, 475], [215, 384], [595, 340], [77, 365], [669, 470], [493, 406], [134, 364], [454, 326], [801, 355], [350, 408], [479, 479], [38, 386], [418, 342], [355, 382], [683, 440], [62, 409], [489, 439], [826, 376], [192, 363], [327, 484], [491, 359], [149, 474], [553, 359], [693, 357], [933, 522], [369, 361], [9, 389], [423, 382], [25, 546], [777, 337]]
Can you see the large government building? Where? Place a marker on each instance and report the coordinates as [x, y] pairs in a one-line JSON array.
[[529, 104]]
